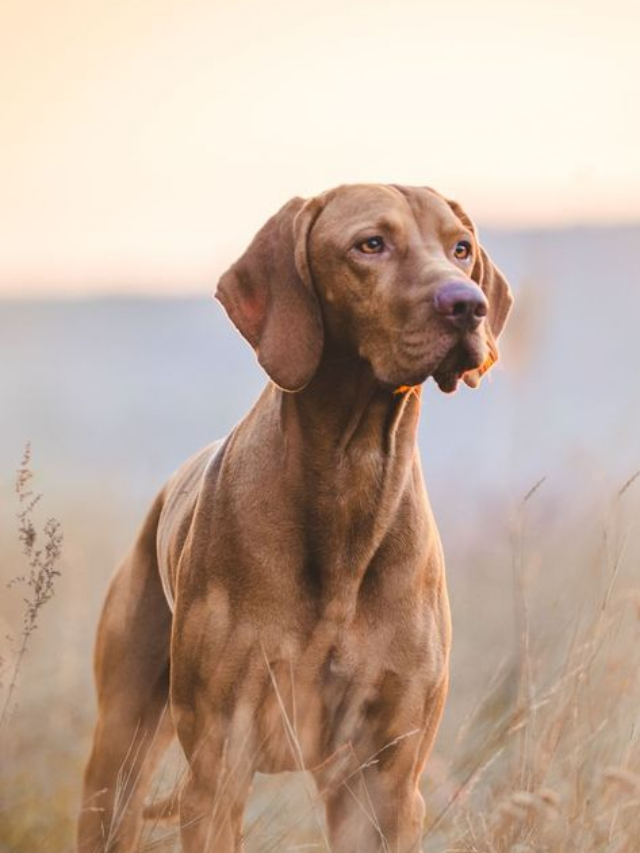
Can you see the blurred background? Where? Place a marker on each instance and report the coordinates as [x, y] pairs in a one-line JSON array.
[[143, 144]]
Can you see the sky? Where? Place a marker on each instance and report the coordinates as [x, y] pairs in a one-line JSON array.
[[143, 143]]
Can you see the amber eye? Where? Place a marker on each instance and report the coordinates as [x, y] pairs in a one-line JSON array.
[[462, 251], [371, 246]]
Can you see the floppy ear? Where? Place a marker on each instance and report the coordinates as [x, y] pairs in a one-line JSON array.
[[269, 297], [498, 293]]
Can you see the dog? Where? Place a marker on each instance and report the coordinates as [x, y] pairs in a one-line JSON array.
[[286, 595]]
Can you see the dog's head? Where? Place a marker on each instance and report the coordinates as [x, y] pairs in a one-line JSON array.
[[393, 275]]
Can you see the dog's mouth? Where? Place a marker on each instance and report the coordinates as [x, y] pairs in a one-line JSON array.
[[467, 354], [447, 360]]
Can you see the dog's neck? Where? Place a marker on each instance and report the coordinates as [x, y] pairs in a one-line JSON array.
[[350, 445], [345, 408]]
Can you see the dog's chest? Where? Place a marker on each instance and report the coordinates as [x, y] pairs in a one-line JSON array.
[[348, 681], [314, 706]]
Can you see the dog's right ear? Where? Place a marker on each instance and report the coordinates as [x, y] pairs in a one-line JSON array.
[[269, 297], [496, 288]]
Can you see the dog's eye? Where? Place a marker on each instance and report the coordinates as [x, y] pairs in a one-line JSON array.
[[371, 246], [462, 251]]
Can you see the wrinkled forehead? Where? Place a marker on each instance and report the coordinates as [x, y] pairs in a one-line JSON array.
[[404, 208]]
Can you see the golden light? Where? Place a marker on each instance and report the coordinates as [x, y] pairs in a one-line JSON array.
[[144, 144]]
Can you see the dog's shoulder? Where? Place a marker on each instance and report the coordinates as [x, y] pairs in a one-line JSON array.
[[179, 499]]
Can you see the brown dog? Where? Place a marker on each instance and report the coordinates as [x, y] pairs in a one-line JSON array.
[[310, 625]]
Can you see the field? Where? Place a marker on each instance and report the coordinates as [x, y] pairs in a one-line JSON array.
[[539, 748]]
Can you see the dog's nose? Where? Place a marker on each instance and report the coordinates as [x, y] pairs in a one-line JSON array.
[[464, 305]]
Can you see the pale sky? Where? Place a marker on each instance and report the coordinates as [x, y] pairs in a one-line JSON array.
[[143, 142]]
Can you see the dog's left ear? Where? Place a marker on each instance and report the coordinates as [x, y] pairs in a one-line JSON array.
[[498, 293], [269, 297]]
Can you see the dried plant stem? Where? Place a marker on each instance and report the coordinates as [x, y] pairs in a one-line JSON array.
[[526, 687], [41, 572]]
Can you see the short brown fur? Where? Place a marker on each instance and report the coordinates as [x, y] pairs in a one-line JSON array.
[[311, 625]]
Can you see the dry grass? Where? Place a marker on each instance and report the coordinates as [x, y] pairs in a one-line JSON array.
[[544, 758], [555, 766]]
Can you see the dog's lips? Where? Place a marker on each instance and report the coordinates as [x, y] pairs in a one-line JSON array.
[[444, 355], [447, 381], [465, 355]]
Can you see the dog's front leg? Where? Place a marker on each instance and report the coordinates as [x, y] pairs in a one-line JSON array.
[[375, 812], [212, 807], [214, 718], [373, 802], [220, 771]]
